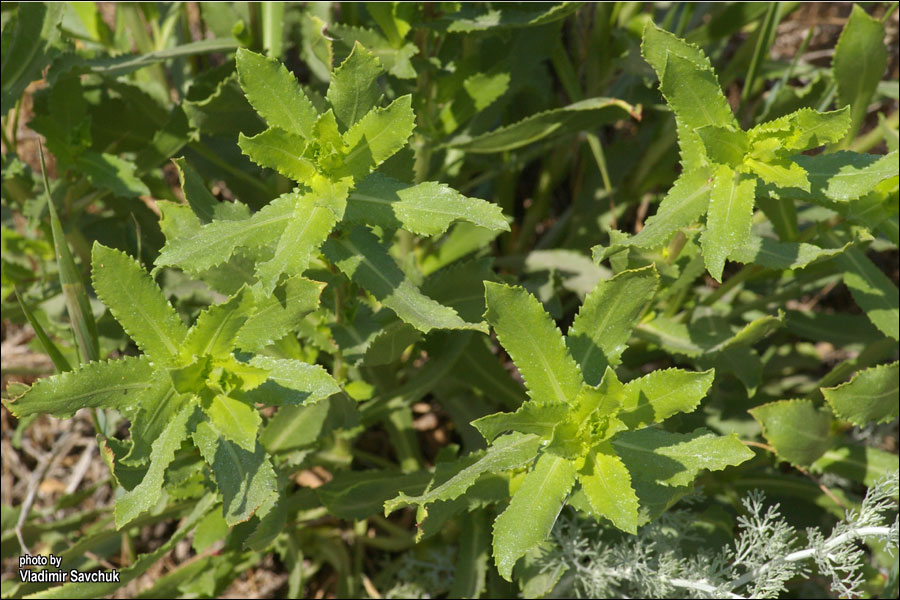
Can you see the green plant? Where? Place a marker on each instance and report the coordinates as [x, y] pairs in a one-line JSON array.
[[369, 226]]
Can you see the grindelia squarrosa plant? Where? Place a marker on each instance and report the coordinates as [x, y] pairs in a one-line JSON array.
[[474, 300]]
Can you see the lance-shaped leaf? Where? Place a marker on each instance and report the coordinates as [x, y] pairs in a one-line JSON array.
[[362, 258], [361, 494], [475, 17], [202, 202], [773, 254], [376, 137], [354, 90], [508, 452], [585, 114], [870, 396], [779, 172], [246, 479], [598, 335], [846, 176], [686, 200], [657, 44], [315, 215], [860, 58], [534, 342], [803, 129], [797, 430], [279, 150], [873, 291], [217, 327], [234, 420], [279, 312], [291, 382], [729, 218], [724, 145], [147, 493], [706, 335], [157, 406], [533, 510], [472, 561], [607, 486], [539, 419], [214, 243], [107, 384], [427, 208], [275, 93], [675, 459], [657, 396]]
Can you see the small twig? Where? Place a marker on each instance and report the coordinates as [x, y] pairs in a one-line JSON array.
[[370, 587]]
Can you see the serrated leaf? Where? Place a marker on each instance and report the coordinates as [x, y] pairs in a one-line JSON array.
[[706, 335], [275, 93], [354, 90], [508, 452], [872, 290], [156, 407], [291, 382], [846, 176], [376, 137], [657, 44], [147, 493], [675, 459], [598, 335], [137, 303], [860, 59], [780, 172], [871, 396], [234, 420], [278, 313], [532, 512], [217, 327], [245, 479], [685, 202], [797, 430], [773, 254], [657, 396], [728, 219], [534, 342], [361, 494], [539, 419], [607, 485], [279, 150], [109, 384], [805, 129], [585, 114], [724, 145], [215, 242], [427, 208], [474, 17], [362, 258]]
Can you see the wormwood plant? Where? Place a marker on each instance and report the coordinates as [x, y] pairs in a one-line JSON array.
[[369, 227]]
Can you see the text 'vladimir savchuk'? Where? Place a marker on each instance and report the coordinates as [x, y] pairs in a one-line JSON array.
[[57, 576]]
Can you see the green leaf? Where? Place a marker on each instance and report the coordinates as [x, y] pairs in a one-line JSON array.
[[361, 494], [657, 396], [93, 385], [59, 361], [427, 208], [600, 331], [362, 258], [156, 407], [533, 510], [586, 114], [706, 335], [846, 176], [534, 342], [111, 172], [773, 254], [539, 419], [657, 44], [279, 150], [508, 452], [202, 202], [376, 137], [472, 559], [234, 420], [804, 129], [729, 218], [278, 313], [291, 382], [870, 396], [873, 291], [354, 90], [860, 59], [217, 327], [857, 463], [246, 479], [275, 93], [724, 145], [215, 242], [675, 459], [475, 17], [148, 492], [780, 172], [686, 200], [29, 48], [137, 303], [607, 485], [797, 430]]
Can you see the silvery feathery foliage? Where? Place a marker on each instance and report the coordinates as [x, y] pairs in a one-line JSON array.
[[425, 576], [766, 554]]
